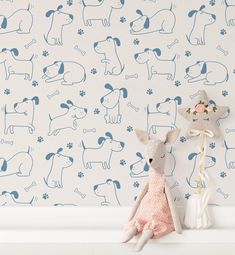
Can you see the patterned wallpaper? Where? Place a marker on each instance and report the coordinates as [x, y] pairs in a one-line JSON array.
[[76, 79]]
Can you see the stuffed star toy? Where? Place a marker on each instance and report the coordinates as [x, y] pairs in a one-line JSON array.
[[203, 119]]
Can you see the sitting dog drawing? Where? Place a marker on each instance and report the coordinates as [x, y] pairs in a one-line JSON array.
[[58, 21], [210, 72], [111, 101], [68, 120], [230, 13], [20, 21], [59, 163], [111, 60], [155, 65], [68, 72], [19, 164], [103, 153], [162, 21], [108, 191]]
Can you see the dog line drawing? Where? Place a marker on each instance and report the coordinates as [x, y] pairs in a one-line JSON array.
[[15, 66], [111, 60], [59, 162], [155, 65], [108, 191], [202, 19], [22, 116], [211, 72], [101, 12], [58, 21], [103, 153], [229, 156], [68, 72], [9, 199], [162, 21], [165, 116], [20, 21], [111, 102], [229, 13], [140, 167], [20, 164], [67, 120], [193, 180]]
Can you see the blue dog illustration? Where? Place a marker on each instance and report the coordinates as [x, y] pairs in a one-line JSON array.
[[58, 21], [111, 102], [193, 180], [20, 21], [59, 162], [162, 21], [229, 156], [108, 191], [19, 164], [9, 199], [14, 66], [140, 167], [111, 61], [156, 65], [67, 120], [211, 72], [165, 116], [102, 11], [103, 153], [202, 19], [22, 116], [68, 72], [230, 13]]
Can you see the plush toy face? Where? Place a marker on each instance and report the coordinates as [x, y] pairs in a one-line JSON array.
[[156, 149], [203, 115]]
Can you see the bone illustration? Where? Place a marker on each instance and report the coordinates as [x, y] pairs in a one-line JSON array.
[[82, 195], [56, 93], [135, 108], [131, 76], [76, 47], [225, 195], [9, 142], [89, 130], [28, 188], [174, 185], [169, 46], [30, 43], [229, 130], [225, 52]]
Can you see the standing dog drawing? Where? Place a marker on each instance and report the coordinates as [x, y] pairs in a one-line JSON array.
[[23, 115], [165, 116], [68, 120], [155, 65], [202, 19], [111, 60], [211, 72], [102, 11], [68, 72], [162, 21], [14, 66], [193, 180], [9, 199], [59, 162], [20, 21], [58, 21], [230, 13], [108, 191], [229, 156], [20, 164], [111, 102], [103, 153]]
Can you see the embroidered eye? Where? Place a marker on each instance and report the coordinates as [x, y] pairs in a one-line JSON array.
[[195, 120], [206, 119], [163, 156]]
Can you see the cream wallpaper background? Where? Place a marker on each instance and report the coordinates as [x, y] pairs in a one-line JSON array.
[[76, 79]]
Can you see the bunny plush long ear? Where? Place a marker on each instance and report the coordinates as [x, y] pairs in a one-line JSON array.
[[172, 135], [143, 136]]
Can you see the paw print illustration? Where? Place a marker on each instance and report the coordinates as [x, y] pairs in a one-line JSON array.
[[122, 162], [223, 174], [93, 71], [34, 83], [45, 196], [7, 92], [80, 31], [187, 196], [136, 184], [69, 145], [177, 83], [129, 129], [122, 19], [80, 174]]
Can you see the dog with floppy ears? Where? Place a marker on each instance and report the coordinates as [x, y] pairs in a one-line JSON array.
[[153, 213]]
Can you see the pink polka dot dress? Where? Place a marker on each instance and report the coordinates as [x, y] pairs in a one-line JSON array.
[[154, 212]]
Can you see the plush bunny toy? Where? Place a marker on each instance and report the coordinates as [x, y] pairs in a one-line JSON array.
[[153, 213]]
